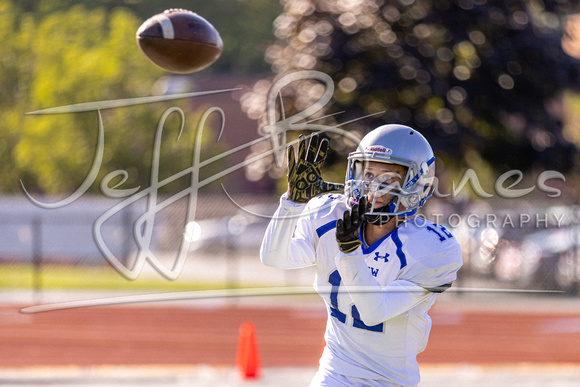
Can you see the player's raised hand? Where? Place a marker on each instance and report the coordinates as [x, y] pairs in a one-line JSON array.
[[304, 177], [348, 228]]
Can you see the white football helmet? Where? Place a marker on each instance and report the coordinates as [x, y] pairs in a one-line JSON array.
[[391, 144]]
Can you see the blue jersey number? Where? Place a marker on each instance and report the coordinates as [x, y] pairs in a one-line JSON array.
[[441, 232], [334, 279]]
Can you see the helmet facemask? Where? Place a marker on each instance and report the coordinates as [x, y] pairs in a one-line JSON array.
[[403, 192]]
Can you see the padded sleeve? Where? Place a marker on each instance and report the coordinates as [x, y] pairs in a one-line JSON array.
[[287, 242], [431, 273], [374, 302], [435, 272]]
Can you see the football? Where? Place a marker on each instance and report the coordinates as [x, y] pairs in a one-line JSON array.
[[179, 41]]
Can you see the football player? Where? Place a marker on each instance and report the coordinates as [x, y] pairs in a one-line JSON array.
[[379, 267]]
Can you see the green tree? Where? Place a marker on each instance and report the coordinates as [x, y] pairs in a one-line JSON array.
[[475, 76], [74, 55], [245, 25]]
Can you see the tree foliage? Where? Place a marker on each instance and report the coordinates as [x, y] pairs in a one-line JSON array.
[[65, 56], [61, 52], [477, 77], [245, 25]]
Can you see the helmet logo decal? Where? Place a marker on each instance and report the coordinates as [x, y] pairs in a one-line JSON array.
[[379, 148]]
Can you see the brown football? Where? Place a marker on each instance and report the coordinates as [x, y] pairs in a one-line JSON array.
[[179, 41]]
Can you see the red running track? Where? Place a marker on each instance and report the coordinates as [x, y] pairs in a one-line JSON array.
[[139, 335]]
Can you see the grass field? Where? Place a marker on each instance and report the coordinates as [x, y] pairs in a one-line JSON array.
[[62, 277]]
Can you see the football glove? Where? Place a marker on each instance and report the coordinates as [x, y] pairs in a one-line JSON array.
[[348, 228], [304, 177]]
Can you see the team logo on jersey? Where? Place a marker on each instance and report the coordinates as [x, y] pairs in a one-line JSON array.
[[383, 257]]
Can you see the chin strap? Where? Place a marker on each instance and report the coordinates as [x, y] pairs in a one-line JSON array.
[[380, 219]]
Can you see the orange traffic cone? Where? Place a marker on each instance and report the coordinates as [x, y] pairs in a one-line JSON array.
[[248, 355]]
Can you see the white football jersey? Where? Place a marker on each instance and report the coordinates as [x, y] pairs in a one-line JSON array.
[[377, 297]]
